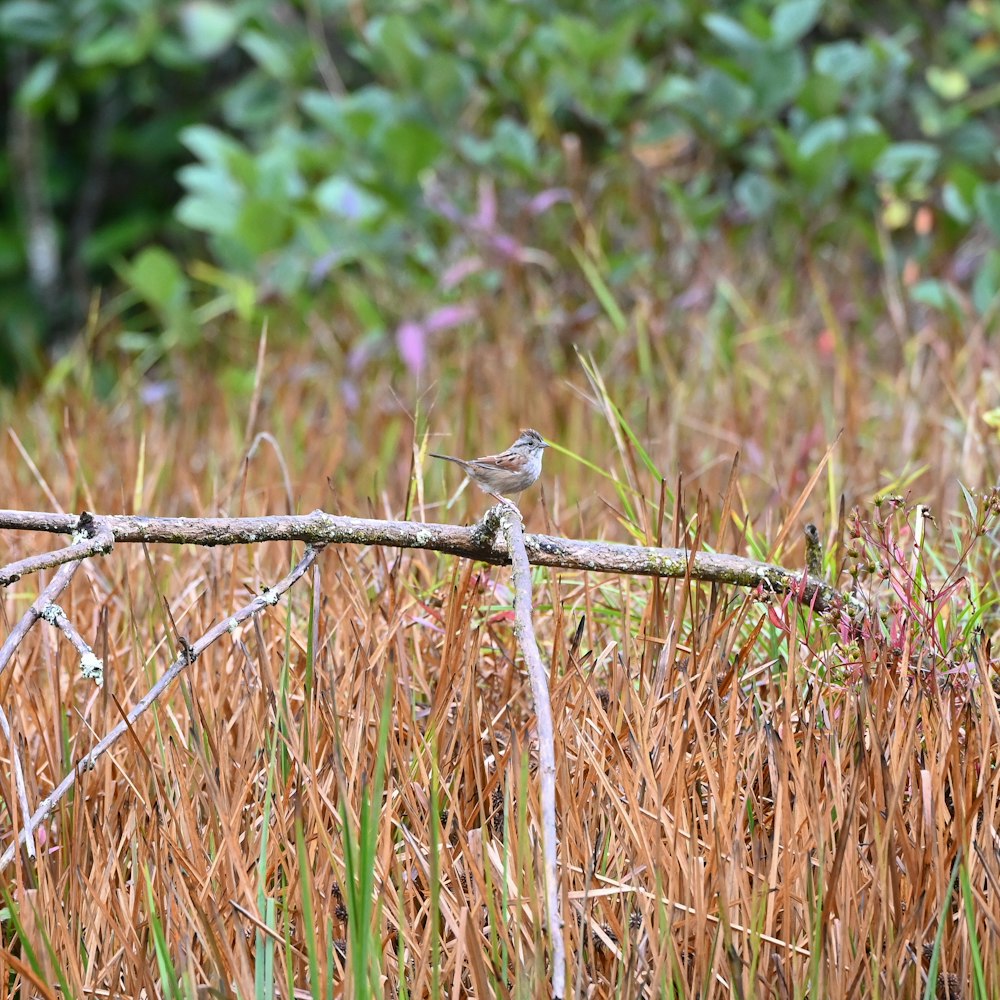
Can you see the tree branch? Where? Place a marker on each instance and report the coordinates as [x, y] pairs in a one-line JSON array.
[[476, 542], [189, 653], [51, 593], [100, 544], [48, 596]]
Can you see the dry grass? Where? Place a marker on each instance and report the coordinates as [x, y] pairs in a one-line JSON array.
[[752, 802]]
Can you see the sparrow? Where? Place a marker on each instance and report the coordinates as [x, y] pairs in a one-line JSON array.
[[512, 471]]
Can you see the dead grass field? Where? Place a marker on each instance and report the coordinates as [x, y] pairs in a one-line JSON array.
[[753, 801]]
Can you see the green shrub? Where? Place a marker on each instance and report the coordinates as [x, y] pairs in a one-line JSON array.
[[288, 143]]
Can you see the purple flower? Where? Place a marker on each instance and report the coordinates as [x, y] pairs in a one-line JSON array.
[[411, 341], [411, 336], [461, 270], [448, 317], [544, 200]]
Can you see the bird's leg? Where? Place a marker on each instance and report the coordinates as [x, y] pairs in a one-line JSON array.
[[509, 504]]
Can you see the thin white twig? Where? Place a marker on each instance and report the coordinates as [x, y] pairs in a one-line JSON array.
[[22, 789], [513, 530], [90, 665], [48, 596], [56, 586]]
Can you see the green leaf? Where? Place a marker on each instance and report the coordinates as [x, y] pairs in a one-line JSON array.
[[38, 84], [986, 284], [209, 27], [324, 108], [865, 144], [954, 204], [970, 502], [673, 91], [776, 78], [355, 116], [410, 147], [396, 49], [793, 19], [515, 145], [210, 144], [988, 205], [604, 294], [446, 81], [971, 911], [917, 160], [756, 194], [949, 84], [819, 135], [731, 32], [210, 181], [340, 196], [275, 172], [974, 143], [122, 45], [843, 61], [724, 97], [206, 214], [361, 303], [157, 277], [965, 181], [262, 225], [269, 54], [31, 21], [239, 292], [937, 294]]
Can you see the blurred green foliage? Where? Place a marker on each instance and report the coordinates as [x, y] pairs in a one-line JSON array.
[[218, 156]]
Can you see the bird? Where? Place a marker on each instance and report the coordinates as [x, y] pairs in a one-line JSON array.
[[512, 471]]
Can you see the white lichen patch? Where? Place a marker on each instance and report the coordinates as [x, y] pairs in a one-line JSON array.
[[52, 613], [92, 667]]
